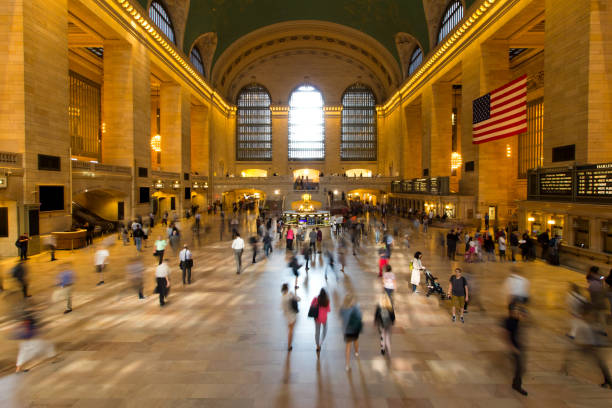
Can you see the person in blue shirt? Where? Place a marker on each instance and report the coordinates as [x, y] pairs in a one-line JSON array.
[[65, 281]]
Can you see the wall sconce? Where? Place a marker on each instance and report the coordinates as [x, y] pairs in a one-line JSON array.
[[176, 185], [159, 185], [508, 151], [335, 192], [530, 219], [551, 222], [277, 192]]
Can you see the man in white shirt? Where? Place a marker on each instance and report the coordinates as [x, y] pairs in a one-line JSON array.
[[186, 262], [162, 276], [100, 262], [517, 288], [238, 247]]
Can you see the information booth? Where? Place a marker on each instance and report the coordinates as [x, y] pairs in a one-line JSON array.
[[306, 218]]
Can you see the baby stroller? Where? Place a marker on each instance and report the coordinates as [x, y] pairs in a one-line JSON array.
[[433, 286]]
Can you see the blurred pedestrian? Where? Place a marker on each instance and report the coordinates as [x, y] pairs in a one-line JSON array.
[[389, 281], [186, 263], [51, 244], [160, 247], [306, 253], [576, 304], [384, 319], [513, 326], [138, 235], [289, 305], [65, 280], [598, 298], [501, 244], [145, 235], [416, 267], [329, 263], [22, 245], [162, 276], [135, 271], [254, 243], [517, 289], [20, 274], [295, 268], [32, 345], [290, 235], [319, 240], [321, 302], [238, 247], [100, 261], [352, 324]]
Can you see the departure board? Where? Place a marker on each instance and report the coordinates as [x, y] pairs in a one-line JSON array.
[[557, 183], [420, 185], [594, 181], [433, 185]]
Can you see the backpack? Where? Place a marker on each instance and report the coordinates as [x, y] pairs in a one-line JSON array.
[[355, 323]]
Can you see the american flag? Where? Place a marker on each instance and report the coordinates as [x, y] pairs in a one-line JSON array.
[[501, 113]]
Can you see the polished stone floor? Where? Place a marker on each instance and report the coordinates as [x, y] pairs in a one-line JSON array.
[[221, 342]]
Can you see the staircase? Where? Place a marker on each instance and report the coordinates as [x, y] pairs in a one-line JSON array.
[[81, 215]]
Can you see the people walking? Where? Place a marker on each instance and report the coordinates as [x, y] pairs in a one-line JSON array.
[[289, 305], [459, 293], [295, 268], [319, 240], [32, 345], [389, 281], [100, 261], [451, 244], [290, 235], [352, 324], [312, 240], [501, 243], [254, 243], [162, 277], [417, 267], [160, 247], [20, 274], [384, 319], [321, 302], [138, 235], [513, 326], [186, 263], [135, 274], [238, 247], [65, 280]]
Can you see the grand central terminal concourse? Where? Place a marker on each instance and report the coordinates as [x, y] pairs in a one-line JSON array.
[[343, 204]]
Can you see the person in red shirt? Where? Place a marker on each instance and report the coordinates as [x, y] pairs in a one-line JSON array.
[[322, 301]]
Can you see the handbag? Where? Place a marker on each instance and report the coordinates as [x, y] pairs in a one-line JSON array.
[[314, 310]]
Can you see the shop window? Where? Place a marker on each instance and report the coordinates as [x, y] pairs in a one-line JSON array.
[[469, 166], [187, 193], [143, 172], [581, 233], [4, 222], [425, 172]]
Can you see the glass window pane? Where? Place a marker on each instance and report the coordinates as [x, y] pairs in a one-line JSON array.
[[253, 124], [306, 124], [452, 16], [161, 18], [358, 135]]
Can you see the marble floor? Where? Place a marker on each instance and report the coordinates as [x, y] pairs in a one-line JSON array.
[[221, 341]]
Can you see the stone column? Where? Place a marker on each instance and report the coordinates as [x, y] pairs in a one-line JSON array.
[[175, 121], [280, 142], [579, 111], [486, 68], [412, 142], [333, 124], [127, 114], [34, 112], [199, 140], [437, 106]]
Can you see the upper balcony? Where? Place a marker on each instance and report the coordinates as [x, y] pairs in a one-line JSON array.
[[11, 160]]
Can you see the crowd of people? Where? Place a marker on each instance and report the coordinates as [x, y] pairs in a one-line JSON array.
[[302, 245]]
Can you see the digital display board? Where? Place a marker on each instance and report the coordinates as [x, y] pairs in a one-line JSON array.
[[557, 183], [594, 181]]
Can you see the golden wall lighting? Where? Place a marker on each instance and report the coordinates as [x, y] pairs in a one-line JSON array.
[[551, 222], [277, 192], [530, 219], [508, 151], [156, 143], [456, 160]]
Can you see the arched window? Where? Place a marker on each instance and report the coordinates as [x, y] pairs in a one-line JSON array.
[[253, 124], [415, 60], [196, 60], [452, 15], [160, 17], [306, 124], [358, 139]]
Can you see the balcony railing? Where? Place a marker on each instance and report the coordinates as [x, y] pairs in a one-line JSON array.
[[166, 175], [10, 159], [98, 167]]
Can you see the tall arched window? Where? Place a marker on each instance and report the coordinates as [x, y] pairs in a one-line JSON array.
[[196, 60], [452, 15], [415, 60], [358, 139], [306, 124], [253, 124], [161, 18]]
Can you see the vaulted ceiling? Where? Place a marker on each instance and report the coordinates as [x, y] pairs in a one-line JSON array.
[[374, 36]]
